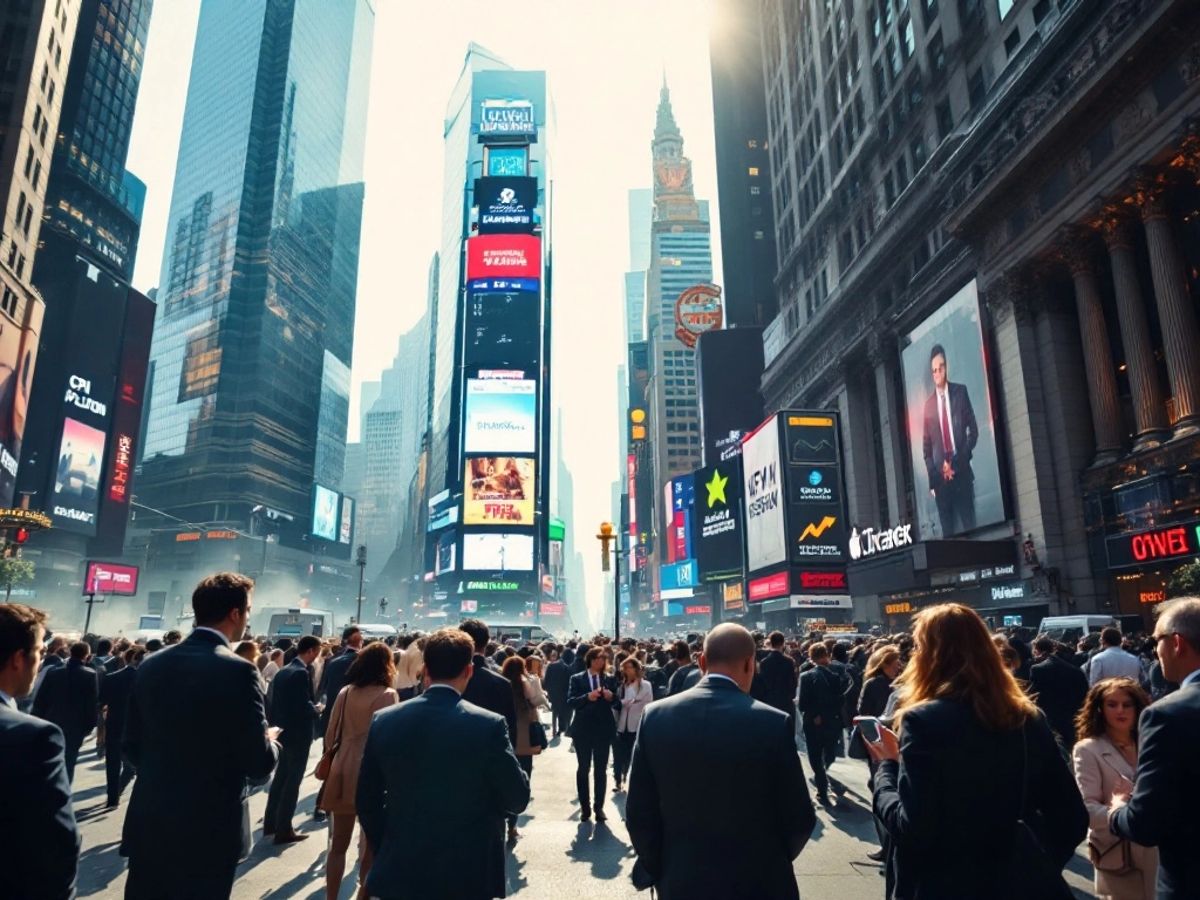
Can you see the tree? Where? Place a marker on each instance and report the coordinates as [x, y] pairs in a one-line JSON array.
[[1185, 581], [14, 571]]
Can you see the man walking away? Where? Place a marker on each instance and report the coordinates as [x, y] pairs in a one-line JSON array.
[[438, 777], [115, 694], [1058, 688], [778, 678], [69, 697], [556, 681], [295, 713], [821, 693], [488, 689], [686, 673], [196, 733], [1112, 661], [592, 696], [41, 839], [737, 834]]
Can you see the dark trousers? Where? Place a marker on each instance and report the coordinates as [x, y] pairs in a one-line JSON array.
[[623, 754], [956, 506], [117, 774], [822, 744], [560, 716], [285, 788], [591, 752], [526, 763], [880, 828], [207, 879], [73, 742]]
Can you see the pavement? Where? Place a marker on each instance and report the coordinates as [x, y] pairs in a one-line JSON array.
[[557, 856]]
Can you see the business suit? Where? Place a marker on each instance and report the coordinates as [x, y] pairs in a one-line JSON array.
[[683, 678], [1059, 690], [1161, 812], [821, 694], [491, 691], [196, 733], [41, 839], [438, 777], [115, 693], [592, 729], [725, 768], [956, 497], [951, 803], [556, 681], [777, 682], [68, 697], [292, 709], [333, 679]]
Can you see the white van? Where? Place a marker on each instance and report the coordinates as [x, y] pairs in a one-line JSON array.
[[292, 622], [377, 632], [519, 633], [1069, 629]]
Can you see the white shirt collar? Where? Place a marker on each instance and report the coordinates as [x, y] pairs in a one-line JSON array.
[[224, 640]]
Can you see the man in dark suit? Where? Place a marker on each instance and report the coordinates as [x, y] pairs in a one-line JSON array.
[[488, 689], [725, 769], [1058, 688], [293, 709], [1162, 810], [592, 696], [821, 692], [196, 732], [555, 681], [69, 698], [333, 676], [777, 679], [687, 674], [115, 693], [41, 839], [438, 777], [949, 440]]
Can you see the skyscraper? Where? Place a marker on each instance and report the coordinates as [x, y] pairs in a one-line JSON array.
[[252, 348]]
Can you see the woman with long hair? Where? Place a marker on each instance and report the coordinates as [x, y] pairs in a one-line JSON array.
[[534, 672], [974, 794], [883, 667], [368, 689], [514, 670], [635, 694], [1106, 755]]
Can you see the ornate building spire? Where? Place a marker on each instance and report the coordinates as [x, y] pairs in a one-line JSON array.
[[674, 197], [665, 126]]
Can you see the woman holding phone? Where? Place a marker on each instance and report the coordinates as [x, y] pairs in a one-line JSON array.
[[1105, 764], [635, 694], [974, 794], [883, 667]]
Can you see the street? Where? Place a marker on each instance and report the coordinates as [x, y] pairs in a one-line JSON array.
[[557, 855]]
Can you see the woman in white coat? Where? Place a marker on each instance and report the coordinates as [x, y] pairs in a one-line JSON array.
[[1106, 755], [635, 694]]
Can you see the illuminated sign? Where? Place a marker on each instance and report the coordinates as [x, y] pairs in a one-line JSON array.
[[1152, 596], [77, 481], [769, 586], [187, 536], [498, 490], [79, 395], [498, 552], [510, 118], [122, 465], [1149, 547], [325, 513], [20, 516], [898, 609], [505, 204], [698, 310], [697, 610], [733, 594], [507, 162], [679, 575], [818, 533], [870, 541], [469, 606], [504, 256], [824, 581], [550, 608], [493, 586], [766, 531], [501, 416], [110, 578], [221, 535]]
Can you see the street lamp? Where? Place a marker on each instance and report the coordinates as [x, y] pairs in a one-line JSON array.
[[605, 537], [360, 560]]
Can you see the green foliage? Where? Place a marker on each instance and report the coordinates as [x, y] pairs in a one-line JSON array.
[[1185, 581]]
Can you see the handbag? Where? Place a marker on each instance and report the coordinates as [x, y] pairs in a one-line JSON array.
[[1034, 873], [1117, 859], [537, 731], [325, 764]]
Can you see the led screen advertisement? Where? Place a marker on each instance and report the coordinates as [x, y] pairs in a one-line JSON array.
[[77, 480], [501, 416], [346, 530], [719, 525], [951, 423], [498, 552], [325, 522], [18, 354], [762, 480], [506, 204], [504, 256], [498, 490], [110, 578], [506, 162], [503, 327], [509, 118]]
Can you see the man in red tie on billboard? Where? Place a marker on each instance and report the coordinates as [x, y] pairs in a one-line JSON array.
[[950, 437]]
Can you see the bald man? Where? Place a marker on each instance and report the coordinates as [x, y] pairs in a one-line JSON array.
[[724, 770]]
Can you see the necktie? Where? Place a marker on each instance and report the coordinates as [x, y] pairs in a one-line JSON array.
[[947, 443], [594, 685]]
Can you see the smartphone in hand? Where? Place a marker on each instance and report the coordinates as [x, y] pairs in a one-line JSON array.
[[868, 727]]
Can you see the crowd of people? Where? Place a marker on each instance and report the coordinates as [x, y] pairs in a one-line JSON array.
[[991, 759]]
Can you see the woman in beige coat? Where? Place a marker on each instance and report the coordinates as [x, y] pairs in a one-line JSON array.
[[1106, 763], [527, 713], [368, 689]]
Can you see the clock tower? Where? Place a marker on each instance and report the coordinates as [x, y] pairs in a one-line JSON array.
[[674, 197]]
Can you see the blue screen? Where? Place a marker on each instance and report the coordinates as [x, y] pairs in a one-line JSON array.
[[507, 161]]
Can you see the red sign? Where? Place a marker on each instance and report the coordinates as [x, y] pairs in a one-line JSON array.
[[824, 581], [769, 586], [110, 578], [553, 609], [504, 256], [118, 483], [697, 610], [698, 310], [1160, 544]]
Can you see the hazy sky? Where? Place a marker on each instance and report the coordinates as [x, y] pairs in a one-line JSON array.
[[605, 61]]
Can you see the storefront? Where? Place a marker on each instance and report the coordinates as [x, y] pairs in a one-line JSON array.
[[1140, 564]]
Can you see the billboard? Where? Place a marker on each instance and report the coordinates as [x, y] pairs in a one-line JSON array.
[[503, 327], [325, 513], [679, 576], [816, 516], [504, 256], [719, 521], [697, 310], [498, 490], [506, 162], [501, 416], [506, 204], [503, 552], [951, 426], [446, 555], [346, 531], [510, 118], [729, 368], [110, 578], [18, 354], [762, 481], [77, 480]]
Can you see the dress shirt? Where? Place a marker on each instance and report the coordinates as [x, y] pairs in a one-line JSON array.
[[224, 640], [1114, 663], [7, 700], [944, 411]]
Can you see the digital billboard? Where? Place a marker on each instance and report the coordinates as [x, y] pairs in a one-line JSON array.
[[446, 556], [729, 368], [504, 256], [762, 480], [951, 425], [18, 354], [498, 552], [816, 513], [498, 490], [719, 521], [502, 327], [501, 416], [510, 118], [346, 531], [77, 480], [110, 578], [325, 513], [504, 162], [506, 204]]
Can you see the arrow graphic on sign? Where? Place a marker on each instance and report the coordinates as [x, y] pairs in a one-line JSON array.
[[815, 531]]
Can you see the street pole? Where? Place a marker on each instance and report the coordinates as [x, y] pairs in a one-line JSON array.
[[361, 569], [87, 624], [617, 594]]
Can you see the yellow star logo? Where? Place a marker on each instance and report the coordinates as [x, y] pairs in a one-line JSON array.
[[716, 489]]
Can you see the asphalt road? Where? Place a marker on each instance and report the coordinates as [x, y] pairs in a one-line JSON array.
[[557, 856]]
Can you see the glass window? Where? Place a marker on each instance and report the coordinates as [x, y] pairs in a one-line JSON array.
[[1004, 7]]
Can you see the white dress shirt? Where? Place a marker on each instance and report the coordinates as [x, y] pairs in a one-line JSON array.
[[634, 700]]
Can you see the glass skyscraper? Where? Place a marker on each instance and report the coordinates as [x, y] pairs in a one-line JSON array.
[[252, 347]]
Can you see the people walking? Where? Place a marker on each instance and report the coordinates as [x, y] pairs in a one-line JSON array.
[[1112, 661], [634, 694], [1058, 688], [293, 709], [821, 691], [555, 683], [69, 697], [778, 678], [488, 689], [593, 698], [883, 667], [530, 738], [115, 695]]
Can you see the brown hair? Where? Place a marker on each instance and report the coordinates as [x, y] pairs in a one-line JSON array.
[[372, 665], [880, 659], [1089, 722], [514, 670], [19, 626], [216, 595], [631, 661], [956, 659], [448, 652]]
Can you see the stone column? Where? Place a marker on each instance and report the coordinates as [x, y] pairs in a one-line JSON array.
[[886, 363], [1176, 310], [1097, 352], [1148, 409]]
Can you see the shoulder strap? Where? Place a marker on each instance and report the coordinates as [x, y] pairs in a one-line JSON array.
[[337, 740]]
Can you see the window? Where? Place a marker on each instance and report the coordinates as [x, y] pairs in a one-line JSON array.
[[1004, 7], [1012, 42], [931, 10], [755, 190], [28, 160], [976, 88], [1041, 11], [945, 119], [752, 171], [937, 53]]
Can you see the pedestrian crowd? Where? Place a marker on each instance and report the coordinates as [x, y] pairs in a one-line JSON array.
[[991, 759]]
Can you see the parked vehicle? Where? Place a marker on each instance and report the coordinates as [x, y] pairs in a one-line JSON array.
[[1069, 629]]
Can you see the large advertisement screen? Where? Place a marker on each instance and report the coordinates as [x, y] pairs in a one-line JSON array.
[[816, 521], [762, 479], [498, 552], [110, 578], [503, 327], [719, 515], [504, 256], [77, 482], [498, 490], [347, 527], [951, 426], [325, 513], [505, 204], [501, 416]]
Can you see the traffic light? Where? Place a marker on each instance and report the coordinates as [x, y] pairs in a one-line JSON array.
[[21, 536], [637, 425]]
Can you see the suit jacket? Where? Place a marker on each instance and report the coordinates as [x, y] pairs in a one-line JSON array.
[[491, 691], [594, 720], [821, 693], [333, 679], [68, 698], [196, 732], [115, 693], [963, 429], [418, 754], [41, 839], [292, 705], [738, 835], [777, 682], [1161, 813], [1059, 689], [683, 678], [951, 804], [556, 680]]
